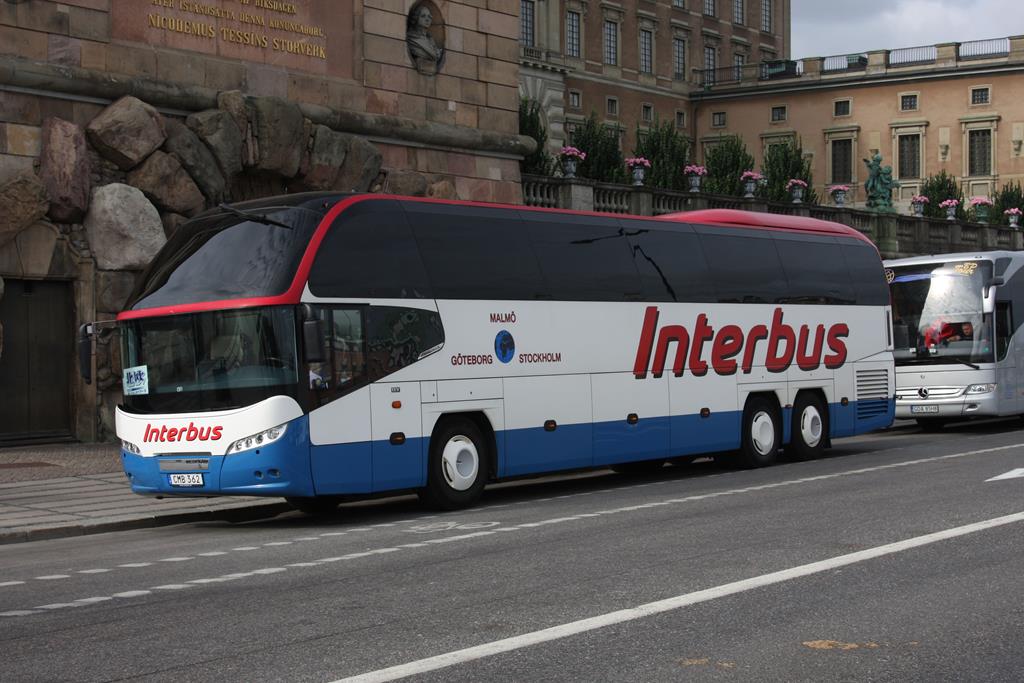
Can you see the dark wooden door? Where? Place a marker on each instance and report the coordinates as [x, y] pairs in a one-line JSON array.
[[36, 361]]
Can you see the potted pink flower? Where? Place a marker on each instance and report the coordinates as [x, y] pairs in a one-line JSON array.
[[839, 193], [571, 158], [1013, 214], [638, 167], [982, 206], [796, 188], [950, 206], [750, 179], [917, 203], [695, 173]]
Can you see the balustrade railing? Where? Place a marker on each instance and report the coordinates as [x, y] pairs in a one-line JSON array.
[[911, 56], [841, 63], [983, 49], [611, 198]]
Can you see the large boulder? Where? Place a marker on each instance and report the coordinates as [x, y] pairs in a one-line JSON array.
[[167, 184], [127, 132], [408, 183], [124, 228], [326, 155], [197, 159], [281, 135], [442, 189], [236, 105], [23, 201], [65, 170], [217, 129], [362, 164]]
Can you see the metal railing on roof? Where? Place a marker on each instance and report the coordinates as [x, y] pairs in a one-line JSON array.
[[909, 56], [982, 49], [842, 63]]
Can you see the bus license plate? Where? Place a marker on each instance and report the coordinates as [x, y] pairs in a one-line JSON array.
[[918, 410], [186, 479]]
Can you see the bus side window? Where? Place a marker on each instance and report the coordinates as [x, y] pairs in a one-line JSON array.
[[1004, 328], [344, 369]]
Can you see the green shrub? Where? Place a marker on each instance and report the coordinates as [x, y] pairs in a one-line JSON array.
[[938, 188], [668, 151], [604, 160], [1011, 195], [782, 163], [726, 161], [531, 125]]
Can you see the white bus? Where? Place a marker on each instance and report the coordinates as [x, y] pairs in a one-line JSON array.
[[318, 347], [953, 328]]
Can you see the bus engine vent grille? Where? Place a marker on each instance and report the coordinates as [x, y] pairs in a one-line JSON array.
[[872, 393]]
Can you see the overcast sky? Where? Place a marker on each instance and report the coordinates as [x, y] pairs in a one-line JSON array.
[[822, 28]]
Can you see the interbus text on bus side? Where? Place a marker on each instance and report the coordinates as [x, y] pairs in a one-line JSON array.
[[183, 433], [733, 349]]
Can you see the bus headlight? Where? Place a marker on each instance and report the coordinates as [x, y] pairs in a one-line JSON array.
[[976, 389], [264, 438], [130, 447]]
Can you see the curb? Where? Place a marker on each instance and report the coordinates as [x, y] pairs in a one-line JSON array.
[[239, 514]]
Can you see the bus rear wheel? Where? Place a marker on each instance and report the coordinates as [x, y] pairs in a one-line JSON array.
[[457, 465], [810, 427], [762, 436]]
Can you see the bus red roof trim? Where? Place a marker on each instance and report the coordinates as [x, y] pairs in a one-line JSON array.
[[767, 221]]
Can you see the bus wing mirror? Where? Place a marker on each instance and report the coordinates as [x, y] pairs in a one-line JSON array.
[[993, 282], [85, 352], [313, 341]]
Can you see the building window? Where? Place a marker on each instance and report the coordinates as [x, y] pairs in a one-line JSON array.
[[572, 34], [679, 3], [908, 102], [611, 107], [979, 96], [738, 61], [979, 144], [738, 11], [647, 113], [779, 113], [575, 99], [679, 59], [718, 119], [766, 16], [680, 119], [709, 7], [909, 162], [710, 59], [646, 51], [842, 161], [841, 108], [611, 43], [526, 22]]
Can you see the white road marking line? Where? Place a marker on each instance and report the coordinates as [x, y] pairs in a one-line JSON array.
[[302, 564], [246, 547], [306, 538], [218, 579], [135, 565], [334, 533], [131, 594], [93, 601], [93, 571], [1012, 474], [11, 583], [18, 613], [213, 553], [172, 587], [277, 543], [177, 559], [413, 545], [652, 608], [269, 570], [57, 605], [53, 577]]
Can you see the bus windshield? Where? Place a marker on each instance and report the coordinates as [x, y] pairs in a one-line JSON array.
[[938, 314], [209, 361]]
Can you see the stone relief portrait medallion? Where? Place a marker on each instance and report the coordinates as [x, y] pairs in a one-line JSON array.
[[424, 36]]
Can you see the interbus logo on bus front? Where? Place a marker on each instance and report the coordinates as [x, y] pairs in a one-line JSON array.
[[733, 349]]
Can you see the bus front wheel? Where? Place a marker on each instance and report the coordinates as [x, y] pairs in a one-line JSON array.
[[762, 436], [810, 427], [457, 466]]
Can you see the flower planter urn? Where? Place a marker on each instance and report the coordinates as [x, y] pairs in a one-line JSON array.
[[695, 183], [569, 167], [748, 188], [1014, 221], [981, 213], [839, 197], [797, 193], [638, 175], [918, 208], [950, 213]]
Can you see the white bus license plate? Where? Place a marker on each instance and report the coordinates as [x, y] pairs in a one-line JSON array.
[[186, 479], [918, 410]]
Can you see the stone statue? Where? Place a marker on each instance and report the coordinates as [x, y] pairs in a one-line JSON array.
[[426, 54], [879, 185]]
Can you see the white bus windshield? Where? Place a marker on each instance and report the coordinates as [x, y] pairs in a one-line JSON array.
[[938, 314]]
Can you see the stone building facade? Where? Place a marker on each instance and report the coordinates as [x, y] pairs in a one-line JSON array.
[[119, 119]]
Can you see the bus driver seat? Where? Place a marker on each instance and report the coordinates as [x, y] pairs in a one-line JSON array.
[[226, 351]]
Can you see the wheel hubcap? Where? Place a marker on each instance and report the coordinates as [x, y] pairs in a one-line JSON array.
[[810, 426], [460, 463], [762, 433]]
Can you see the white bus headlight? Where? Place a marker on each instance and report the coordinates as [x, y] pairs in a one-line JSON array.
[[130, 447], [976, 389], [258, 440]]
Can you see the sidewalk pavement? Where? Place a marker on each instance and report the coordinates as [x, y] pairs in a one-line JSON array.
[[56, 490]]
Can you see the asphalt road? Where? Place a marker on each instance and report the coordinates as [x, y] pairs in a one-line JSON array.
[[892, 559]]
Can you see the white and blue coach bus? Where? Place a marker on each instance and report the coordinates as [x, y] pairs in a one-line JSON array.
[[318, 347]]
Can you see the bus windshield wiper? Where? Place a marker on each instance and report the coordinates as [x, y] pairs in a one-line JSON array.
[[968, 363], [255, 217]]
